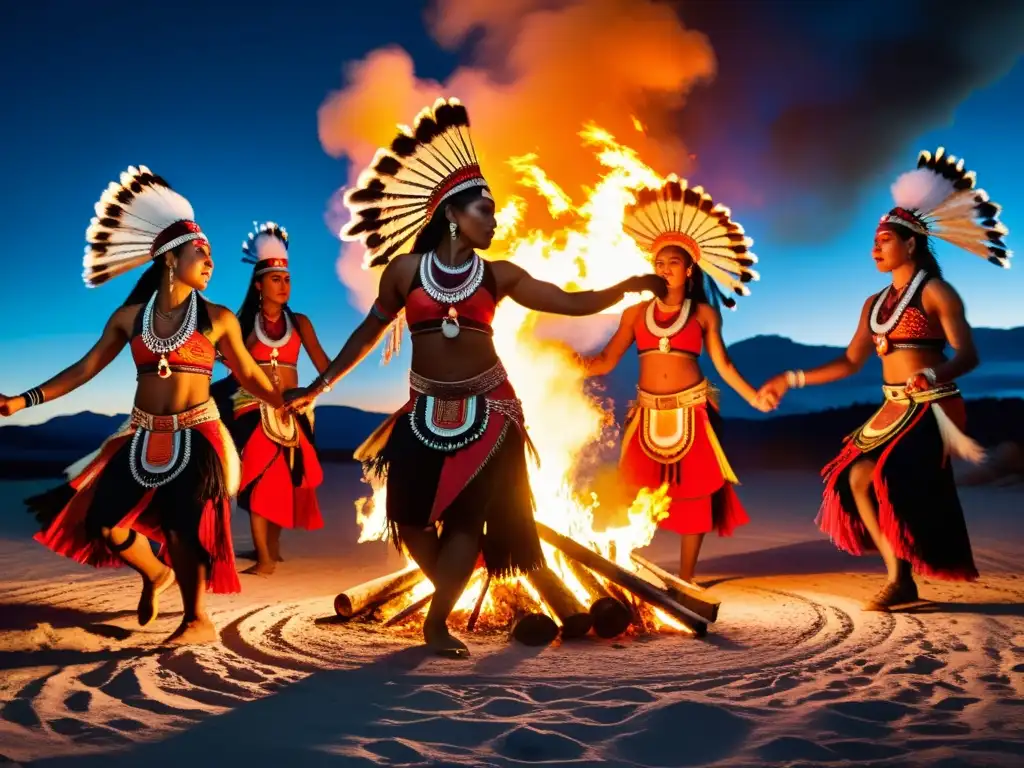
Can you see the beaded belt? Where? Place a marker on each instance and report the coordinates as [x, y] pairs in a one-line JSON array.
[[176, 421], [897, 393], [688, 398], [148, 369], [453, 390]]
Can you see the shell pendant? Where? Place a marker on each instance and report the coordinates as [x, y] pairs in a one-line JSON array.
[[163, 368], [450, 325], [664, 345]]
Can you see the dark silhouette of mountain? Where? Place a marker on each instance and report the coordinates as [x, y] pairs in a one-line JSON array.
[[803, 432], [1001, 374]]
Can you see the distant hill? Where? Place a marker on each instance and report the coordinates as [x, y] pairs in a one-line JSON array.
[[806, 427], [761, 357]]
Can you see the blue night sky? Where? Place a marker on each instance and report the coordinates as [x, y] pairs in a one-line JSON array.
[[226, 110]]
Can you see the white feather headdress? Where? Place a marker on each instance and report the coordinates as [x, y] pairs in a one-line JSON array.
[[939, 199], [406, 183], [675, 214], [137, 219], [267, 248]]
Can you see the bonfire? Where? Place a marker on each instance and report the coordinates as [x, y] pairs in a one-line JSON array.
[[594, 581]]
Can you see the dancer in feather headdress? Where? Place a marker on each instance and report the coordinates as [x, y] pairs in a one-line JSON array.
[[670, 434], [891, 489], [280, 468], [169, 473], [454, 455]]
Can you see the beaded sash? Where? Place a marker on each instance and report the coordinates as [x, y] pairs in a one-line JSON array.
[[877, 431], [162, 445], [666, 428]]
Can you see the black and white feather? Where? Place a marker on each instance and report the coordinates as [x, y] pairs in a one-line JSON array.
[[675, 208], [130, 215], [397, 195], [944, 198], [268, 240]]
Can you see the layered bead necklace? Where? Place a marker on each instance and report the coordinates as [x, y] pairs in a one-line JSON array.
[[164, 346], [664, 335], [273, 344], [473, 269], [880, 330]]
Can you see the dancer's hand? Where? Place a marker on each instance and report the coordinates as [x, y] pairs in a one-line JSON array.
[[299, 399], [650, 282], [919, 382], [774, 389], [765, 401], [11, 405]]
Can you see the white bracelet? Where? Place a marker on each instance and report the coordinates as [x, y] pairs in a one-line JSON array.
[[929, 373], [796, 379]]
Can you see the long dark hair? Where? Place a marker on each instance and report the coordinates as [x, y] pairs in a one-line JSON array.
[[437, 228], [924, 253], [149, 283], [251, 305]]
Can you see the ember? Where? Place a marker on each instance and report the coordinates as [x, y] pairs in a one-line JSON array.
[[591, 583]]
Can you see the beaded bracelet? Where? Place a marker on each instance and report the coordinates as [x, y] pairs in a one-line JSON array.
[[796, 379], [33, 397]]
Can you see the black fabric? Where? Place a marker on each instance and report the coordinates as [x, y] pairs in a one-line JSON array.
[[922, 491], [497, 503]]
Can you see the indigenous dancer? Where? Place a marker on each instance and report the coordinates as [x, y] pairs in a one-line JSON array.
[[891, 489], [670, 433], [280, 468], [454, 455], [170, 472]]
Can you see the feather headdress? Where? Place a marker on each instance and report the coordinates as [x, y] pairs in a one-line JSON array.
[[406, 183], [266, 247], [687, 217], [137, 219], [939, 199]]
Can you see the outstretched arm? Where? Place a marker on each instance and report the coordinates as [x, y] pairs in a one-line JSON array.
[[312, 343], [711, 321], [850, 362], [516, 283], [111, 342], [940, 298], [242, 365], [606, 360]]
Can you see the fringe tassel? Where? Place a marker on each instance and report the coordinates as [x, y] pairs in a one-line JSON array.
[[393, 343], [956, 442]]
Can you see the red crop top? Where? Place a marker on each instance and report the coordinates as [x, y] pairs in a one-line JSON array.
[[278, 341], [475, 312], [196, 355], [913, 330], [688, 340]]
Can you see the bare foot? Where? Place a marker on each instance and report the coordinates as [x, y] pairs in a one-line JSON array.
[[194, 632], [261, 569], [149, 599], [443, 643]]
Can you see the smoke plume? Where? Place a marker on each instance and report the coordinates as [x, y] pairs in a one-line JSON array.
[[537, 71]]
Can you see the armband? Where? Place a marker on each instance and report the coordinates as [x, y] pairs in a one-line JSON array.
[[380, 314], [33, 397]]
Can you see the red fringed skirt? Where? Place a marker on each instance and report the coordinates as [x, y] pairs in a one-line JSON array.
[[455, 457], [159, 474], [910, 440], [280, 467], [672, 439]]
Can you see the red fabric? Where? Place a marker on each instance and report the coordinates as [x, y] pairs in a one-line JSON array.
[[196, 351], [689, 339], [67, 534], [697, 487], [287, 354], [479, 306], [274, 497], [845, 527]]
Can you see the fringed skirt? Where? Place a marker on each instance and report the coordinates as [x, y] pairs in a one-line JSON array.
[[454, 457], [910, 439], [672, 439], [157, 475], [280, 467]]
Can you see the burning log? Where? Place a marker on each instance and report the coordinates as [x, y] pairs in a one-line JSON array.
[[410, 610], [364, 596], [475, 615], [623, 578], [611, 617], [690, 595], [576, 619], [534, 629]]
